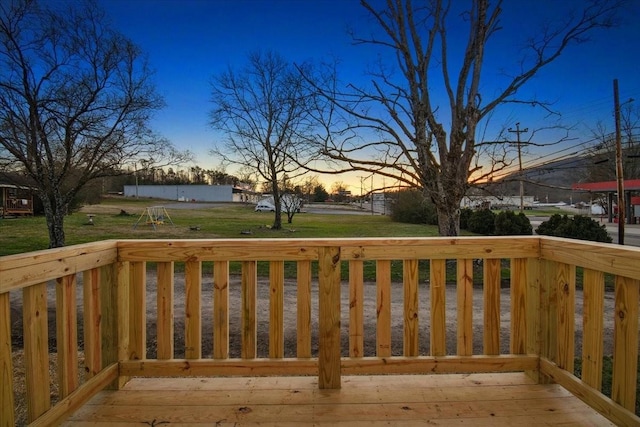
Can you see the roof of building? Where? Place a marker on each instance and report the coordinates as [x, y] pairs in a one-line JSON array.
[[607, 186]]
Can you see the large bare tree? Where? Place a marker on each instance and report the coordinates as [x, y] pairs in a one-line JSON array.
[[397, 127], [75, 99], [264, 112]]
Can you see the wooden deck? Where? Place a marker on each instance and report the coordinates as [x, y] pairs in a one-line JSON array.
[[510, 399]]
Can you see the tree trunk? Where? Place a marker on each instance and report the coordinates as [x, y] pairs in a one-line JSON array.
[[448, 220], [277, 220], [54, 212]]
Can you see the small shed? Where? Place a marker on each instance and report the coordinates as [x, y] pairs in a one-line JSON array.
[[15, 200]]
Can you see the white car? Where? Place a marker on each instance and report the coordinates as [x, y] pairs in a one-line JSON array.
[[265, 207]]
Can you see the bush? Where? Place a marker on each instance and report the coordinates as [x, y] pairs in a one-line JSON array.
[[411, 207], [482, 222], [465, 214], [508, 223], [578, 227]]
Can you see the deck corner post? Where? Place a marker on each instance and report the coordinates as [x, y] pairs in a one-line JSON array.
[[115, 315], [329, 318]]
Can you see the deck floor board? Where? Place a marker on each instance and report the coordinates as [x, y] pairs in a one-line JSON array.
[[446, 400]]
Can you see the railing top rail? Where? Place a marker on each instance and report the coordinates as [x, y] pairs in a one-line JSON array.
[[351, 248], [22, 270]]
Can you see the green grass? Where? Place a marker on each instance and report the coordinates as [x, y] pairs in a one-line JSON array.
[[233, 221]]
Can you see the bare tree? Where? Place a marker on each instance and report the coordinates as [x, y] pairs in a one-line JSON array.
[[264, 112], [75, 98], [396, 128]]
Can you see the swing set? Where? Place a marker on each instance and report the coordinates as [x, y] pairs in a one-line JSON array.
[[154, 216]]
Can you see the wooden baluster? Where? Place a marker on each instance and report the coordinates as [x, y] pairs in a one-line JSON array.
[[193, 309], [221, 309], [303, 322], [92, 323], [329, 317], [356, 308], [36, 350], [592, 328], [7, 416], [438, 291], [249, 312], [138, 298], [165, 309], [518, 341], [276, 309], [566, 288], [464, 293], [411, 329], [383, 308], [625, 353], [491, 303], [67, 334]]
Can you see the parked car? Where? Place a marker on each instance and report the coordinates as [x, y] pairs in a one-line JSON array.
[[287, 202], [263, 206]]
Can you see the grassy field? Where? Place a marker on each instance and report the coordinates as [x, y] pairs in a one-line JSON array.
[[115, 218]]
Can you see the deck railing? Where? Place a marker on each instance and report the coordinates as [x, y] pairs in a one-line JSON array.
[[107, 283]]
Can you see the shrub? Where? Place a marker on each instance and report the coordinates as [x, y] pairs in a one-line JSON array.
[[508, 223], [412, 207], [482, 222], [578, 227], [465, 214]]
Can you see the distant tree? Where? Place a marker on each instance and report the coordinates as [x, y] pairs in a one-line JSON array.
[[339, 192], [264, 112], [411, 136], [320, 194], [75, 100]]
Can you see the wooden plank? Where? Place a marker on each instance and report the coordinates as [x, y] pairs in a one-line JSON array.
[[67, 335], [625, 342], [7, 407], [67, 406], [22, 270], [464, 294], [138, 312], [108, 311], [165, 309], [593, 328], [439, 365], [548, 310], [92, 322], [608, 258], [249, 318], [329, 318], [221, 309], [276, 309], [411, 322], [438, 291], [123, 318], [356, 308], [566, 288], [219, 367], [491, 305], [533, 312], [592, 397], [307, 249], [36, 350], [193, 309], [303, 333], [383, 308], [518, 326]]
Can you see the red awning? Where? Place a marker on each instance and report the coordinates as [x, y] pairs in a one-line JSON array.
[[607, 186]]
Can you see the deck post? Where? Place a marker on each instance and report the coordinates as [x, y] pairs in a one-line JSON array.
[[329, 317], [115, 315]]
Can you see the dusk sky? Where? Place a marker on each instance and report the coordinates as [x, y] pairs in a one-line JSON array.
[[189, 41]]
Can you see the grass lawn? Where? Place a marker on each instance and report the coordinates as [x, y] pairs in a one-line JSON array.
[[232, 221]]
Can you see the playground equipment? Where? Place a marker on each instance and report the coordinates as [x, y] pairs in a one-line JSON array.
[[154, 216]]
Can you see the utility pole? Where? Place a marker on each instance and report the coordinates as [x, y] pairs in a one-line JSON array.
[[518, 131], [619, 170]]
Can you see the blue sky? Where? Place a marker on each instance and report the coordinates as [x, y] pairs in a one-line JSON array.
[[189, 41]]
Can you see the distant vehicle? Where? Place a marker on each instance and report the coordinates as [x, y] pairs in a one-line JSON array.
[[288, 202], [264, 206]]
